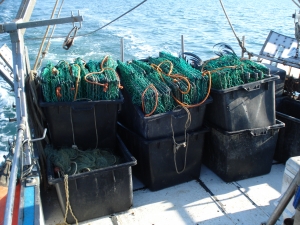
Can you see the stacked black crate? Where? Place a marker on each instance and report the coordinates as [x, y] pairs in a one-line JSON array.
[[244, 130], [87, 125], [168, 146], [288, 143]]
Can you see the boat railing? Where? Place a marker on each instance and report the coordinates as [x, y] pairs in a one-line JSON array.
[[16, 31]]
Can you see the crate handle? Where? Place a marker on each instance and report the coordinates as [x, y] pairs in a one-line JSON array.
[[176, 147], [252, 88], [259, 131]]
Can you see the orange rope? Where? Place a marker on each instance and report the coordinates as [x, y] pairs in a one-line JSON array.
[[200, 103], [105, 85], [174, 76], [156, 99], [159, 70], [58, 94], [77, 82]]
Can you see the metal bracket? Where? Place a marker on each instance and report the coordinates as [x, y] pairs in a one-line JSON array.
[[74, 22], [42, 138], [10, 27]]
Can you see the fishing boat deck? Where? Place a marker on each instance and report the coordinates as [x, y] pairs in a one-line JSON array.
[[208, 200]]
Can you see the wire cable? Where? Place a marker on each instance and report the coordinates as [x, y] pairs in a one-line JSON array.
[[89, 33]]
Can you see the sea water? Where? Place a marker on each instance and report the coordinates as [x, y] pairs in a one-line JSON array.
[[152, 27]]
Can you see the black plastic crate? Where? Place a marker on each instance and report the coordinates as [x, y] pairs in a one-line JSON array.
[[238, 155], [279, 84], [159, 125], [87, 124], [288, 143], [159, 165], [246, 106], [99, 192]]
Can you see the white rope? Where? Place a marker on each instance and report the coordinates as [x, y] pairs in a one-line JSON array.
[[89, 33], [38, 62]]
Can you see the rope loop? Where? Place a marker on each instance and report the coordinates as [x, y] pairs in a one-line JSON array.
[[68, 205], [105, 85], [175, 77], [176, 146], [156, 99]]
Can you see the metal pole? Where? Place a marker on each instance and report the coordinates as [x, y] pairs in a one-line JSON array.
[[182, 45], [13, 174], [122, 49], [290, 192], [243, 44], [18, 69]]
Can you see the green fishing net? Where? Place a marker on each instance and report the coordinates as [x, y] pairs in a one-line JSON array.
[[159, 84], [94, 80], [229, 71], [74, 161], [102, 80]]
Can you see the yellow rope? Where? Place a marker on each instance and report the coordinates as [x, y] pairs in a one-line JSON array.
[[68, 205]]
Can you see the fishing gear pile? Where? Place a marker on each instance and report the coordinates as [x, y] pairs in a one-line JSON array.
[[228, 70], [158, 85], [74, 161], [94, 80]]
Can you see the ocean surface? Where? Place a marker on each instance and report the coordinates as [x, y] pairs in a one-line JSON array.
[[152, 27]]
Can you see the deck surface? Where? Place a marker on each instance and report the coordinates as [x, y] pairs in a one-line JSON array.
[[208, 200]]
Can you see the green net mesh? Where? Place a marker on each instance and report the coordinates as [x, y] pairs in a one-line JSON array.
[[142, 91], [230, 71], [160, 84], [95, 80], [102, 81], [74, 161]]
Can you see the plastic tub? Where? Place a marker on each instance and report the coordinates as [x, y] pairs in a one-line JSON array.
[[237, 155], [87, 124], [279, 84], [160, 164], [159, 125], [99, 192], [246, 106], [288, 144]]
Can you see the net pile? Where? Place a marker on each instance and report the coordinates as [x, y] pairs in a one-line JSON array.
[[74, 161], [159, 84], [94, 80], [229, 70]]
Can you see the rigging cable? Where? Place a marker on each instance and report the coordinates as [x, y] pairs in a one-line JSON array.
[[296, 3], [38, 64], [239, 41], [89, 33]]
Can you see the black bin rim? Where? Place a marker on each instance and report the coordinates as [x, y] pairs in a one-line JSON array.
[[254, 131], [247, 87], [83, 102], [131, 161]]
